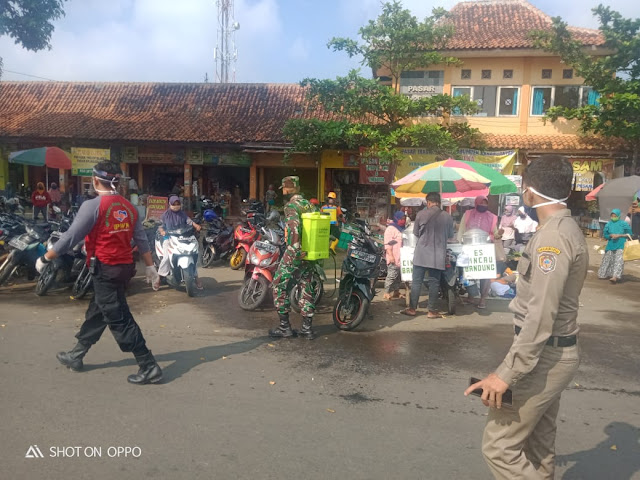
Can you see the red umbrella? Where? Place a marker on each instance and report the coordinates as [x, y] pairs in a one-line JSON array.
[[591, 196]]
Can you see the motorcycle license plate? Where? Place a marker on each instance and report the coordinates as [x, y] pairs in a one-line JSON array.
[[18, 244], [361, 255], [210, 239], [267, 247]]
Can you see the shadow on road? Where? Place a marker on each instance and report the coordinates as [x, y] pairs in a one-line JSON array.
[[184, 361], [616, 457]]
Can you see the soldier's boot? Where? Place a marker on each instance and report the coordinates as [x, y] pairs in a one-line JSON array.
[[306, 331], [283, 330], [73, 358], [149, 372]]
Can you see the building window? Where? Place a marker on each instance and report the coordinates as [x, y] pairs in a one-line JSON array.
[[546, 73], [484, 96], [507, 74], [422, 83], [461, 92], [508, 101], [572, 96], [465, 74], [567, 73], [486, 74]]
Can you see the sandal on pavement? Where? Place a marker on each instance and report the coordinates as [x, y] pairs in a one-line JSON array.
[[409, 312], [481, 305], [434, 314]]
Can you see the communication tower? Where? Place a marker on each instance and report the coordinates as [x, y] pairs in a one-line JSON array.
[[226, 52]]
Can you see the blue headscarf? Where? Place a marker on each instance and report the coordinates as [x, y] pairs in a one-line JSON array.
[[172, 220], [399, 215]]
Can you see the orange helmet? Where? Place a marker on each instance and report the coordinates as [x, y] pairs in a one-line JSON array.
[[332, 195]]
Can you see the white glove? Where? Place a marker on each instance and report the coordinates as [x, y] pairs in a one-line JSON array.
[[152, 276], [41, 264]]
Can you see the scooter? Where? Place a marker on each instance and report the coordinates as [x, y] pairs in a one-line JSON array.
[[69, 263], [359, 274], [183, 251], [83, 282], [264, 258], [25, 250], [217, 243], [244, 235]]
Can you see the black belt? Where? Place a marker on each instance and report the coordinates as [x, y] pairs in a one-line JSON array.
[[569, 341]]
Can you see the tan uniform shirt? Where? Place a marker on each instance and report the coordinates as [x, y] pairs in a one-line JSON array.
[[552, 271]]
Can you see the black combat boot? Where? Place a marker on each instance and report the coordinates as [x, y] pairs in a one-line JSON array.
[[149, 372], [306, 331], [73, 358], [284, 330]]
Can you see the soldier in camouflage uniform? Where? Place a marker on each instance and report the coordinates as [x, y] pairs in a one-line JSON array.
[[292, 262]]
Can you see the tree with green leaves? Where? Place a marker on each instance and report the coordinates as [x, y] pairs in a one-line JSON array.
[[29, 22], [615, 76], [363, 112]]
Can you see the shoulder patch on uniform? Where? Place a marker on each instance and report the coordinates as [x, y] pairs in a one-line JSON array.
[[547, 262], [549, 249]]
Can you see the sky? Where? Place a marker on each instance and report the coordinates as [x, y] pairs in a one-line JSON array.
[[279, 41]]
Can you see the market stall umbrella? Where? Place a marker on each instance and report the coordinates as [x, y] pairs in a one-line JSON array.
[[448, 176], [617, 193], [593, 194], [52, 157], [500, 184]]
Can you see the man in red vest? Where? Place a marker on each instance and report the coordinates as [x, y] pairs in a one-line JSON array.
[[108, 223]]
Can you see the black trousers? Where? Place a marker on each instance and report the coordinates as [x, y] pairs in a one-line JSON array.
[[109, 308]]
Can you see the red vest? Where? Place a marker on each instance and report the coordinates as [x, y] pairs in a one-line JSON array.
[[110, 238]]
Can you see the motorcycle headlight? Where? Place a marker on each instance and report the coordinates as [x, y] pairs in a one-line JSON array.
[[49, 245], [254, 260], [265, 262]]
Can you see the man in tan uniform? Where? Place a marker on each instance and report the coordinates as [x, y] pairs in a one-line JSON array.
[[519, 441]]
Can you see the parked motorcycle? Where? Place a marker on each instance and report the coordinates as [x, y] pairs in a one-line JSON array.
[[69, 264], [217, 244], [317, 285], [84, 282], [25, 250], [264, 258], [244, 235], [359, 273], [183, 251]]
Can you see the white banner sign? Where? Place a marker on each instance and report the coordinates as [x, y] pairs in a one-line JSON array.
[[482, 261], [406, 263]]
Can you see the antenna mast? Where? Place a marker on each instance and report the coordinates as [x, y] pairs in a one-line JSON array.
[[226, 53]]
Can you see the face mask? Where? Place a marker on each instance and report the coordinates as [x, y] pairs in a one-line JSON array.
[[508, 214], [522, 215], [614, 218], [402, 222], [482, 208], [552, 201], [176, 208]]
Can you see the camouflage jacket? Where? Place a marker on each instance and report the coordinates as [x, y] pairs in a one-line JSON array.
[[293, 211]]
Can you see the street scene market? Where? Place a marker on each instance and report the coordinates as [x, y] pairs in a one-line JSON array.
[[425, 268]]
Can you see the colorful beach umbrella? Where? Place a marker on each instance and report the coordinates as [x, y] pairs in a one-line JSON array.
[[592, 196], [52, 157], [448, 176]]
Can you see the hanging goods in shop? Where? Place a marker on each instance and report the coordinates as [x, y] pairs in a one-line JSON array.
[[315, 235]]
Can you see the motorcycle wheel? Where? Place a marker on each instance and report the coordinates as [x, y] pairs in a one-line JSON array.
[[46, 279], [348, 313], [451, 300], [82, 284], [238, 259], [189, 277], [7, 267], [207, 257], [253, 293], [296, 294]]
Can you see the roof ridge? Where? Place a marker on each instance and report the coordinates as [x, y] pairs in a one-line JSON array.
[[524, 3], [71, 82]]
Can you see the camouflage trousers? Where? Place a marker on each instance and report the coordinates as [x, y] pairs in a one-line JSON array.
[[283, 283]]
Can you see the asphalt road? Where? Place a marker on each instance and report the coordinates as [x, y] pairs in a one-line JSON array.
[[384, 402]]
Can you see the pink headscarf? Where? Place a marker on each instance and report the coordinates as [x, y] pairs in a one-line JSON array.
[[508, 220], [485, 221]]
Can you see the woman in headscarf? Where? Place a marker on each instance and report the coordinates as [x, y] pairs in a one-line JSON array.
[[173, 219], [506, 227], [480, 218], [615, 231], [40, 199], [392, 234], [54, 194]]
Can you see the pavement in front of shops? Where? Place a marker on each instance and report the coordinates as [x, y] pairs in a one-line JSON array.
[[381, 402]]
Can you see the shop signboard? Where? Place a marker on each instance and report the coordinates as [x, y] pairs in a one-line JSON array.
[[84, 159], [129, 154], [156, 206], [373, 170], [195, 156], [482, 261], [226, 159], [161, 157], [406, 263]]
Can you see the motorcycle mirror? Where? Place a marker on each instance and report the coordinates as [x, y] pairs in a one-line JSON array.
[[57, 209]]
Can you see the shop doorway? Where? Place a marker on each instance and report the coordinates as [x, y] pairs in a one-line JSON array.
[[308, 181], [160, 179]]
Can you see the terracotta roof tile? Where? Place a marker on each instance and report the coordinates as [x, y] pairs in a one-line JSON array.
[[553, 142], [489, 24], [215, 113]]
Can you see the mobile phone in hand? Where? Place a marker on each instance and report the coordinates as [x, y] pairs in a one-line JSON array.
[[507, 397]]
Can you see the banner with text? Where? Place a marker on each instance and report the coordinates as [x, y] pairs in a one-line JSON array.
[[84, 159], [482, 261], [373, 170], [156, 206], [406, 263]]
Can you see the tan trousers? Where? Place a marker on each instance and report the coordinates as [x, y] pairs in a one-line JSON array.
[[519, 441]]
